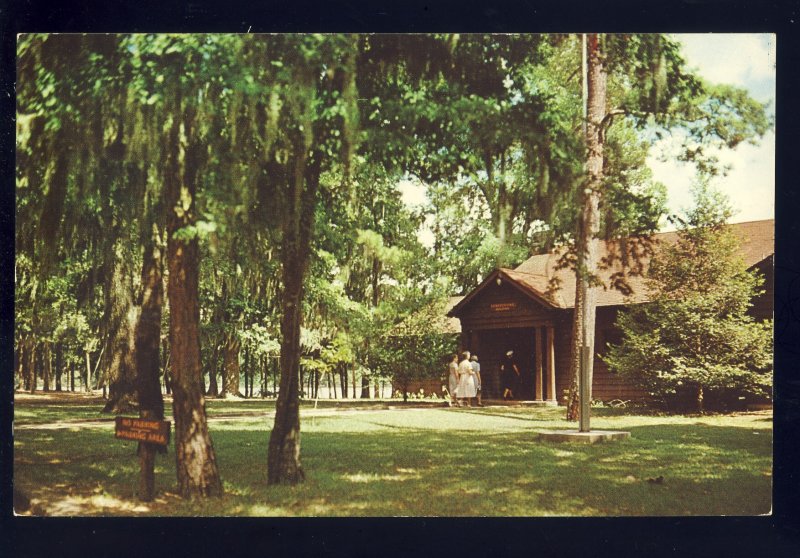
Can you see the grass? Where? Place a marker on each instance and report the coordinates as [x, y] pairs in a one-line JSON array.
[[374, 461]]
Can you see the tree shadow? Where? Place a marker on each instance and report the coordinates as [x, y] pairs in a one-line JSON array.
[[397, 471]]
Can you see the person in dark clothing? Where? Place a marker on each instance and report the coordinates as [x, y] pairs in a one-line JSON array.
[[509, 375]]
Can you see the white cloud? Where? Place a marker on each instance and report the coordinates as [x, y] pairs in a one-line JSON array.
[[746, 60], [750, 184]]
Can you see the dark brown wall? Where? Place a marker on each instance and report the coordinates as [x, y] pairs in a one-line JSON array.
[[606, 386], [764, 305], [481, 314], [563, 335]]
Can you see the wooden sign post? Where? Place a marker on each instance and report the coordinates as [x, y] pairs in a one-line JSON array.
[[143, 430]]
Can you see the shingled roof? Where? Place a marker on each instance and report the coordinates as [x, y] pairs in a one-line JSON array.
[[541, 274]]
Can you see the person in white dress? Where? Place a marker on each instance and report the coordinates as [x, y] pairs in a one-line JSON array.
[[476, 367], [452, 380], [466, 388]]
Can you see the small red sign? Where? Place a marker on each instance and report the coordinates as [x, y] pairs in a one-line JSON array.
[[143, 430], [503, 306]]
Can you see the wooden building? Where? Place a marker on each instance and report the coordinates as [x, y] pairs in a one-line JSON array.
[[529, 310]]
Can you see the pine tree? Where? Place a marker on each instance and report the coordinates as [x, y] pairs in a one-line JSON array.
[[695, 337]]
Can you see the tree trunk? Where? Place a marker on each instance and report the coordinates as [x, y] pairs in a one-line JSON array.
[[37, 367], [58, 358], [88, 377], [121, 378], [18, 374], [275, 378], [283, 465], [230, 355], [265, 377], [196, 465], [118, 368], [589, 222], [364, 387], [72, 375], [165, 353], [283, 458], [148, 365], [343, 380], [47, 366], [248, 375], [699, 399], [244, 373], [213, 388], [30, 365]]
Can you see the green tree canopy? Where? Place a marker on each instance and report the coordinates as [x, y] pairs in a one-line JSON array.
[[696, 336]]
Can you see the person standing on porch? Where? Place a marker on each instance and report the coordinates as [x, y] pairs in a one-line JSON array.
[[466, 381], [476, 367], [452, 379], [509, 375]]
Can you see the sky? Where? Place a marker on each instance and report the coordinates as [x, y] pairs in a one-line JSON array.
[[747, 61], [743, 60]]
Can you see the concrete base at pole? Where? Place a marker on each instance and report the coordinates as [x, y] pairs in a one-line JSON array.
[[591, 437]]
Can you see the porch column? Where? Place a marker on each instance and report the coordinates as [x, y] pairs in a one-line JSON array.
[[551, 366], [538, 350]]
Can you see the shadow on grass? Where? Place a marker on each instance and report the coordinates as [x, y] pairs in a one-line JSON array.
[[706, 470]]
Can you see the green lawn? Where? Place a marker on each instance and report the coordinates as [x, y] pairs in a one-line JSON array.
[[408, 462]]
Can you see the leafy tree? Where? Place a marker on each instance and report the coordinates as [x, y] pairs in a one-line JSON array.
[[414, 344], [312, 106], [492, 125], [696, 337], [644, 79]]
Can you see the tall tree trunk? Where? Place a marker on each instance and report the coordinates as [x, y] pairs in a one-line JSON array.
[[72, 375], [283, 465], [47, 366], [343, 379], [18, 374], [213, 388], [58, 365], [19, 364], [275, 371], [283, 458], [148, 364], [88, 373], [167, 378], [263, 376], [37, 367], [230, 355], [248, 375], [589, 223], [196, 465], [118, 368], [30, 365]]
